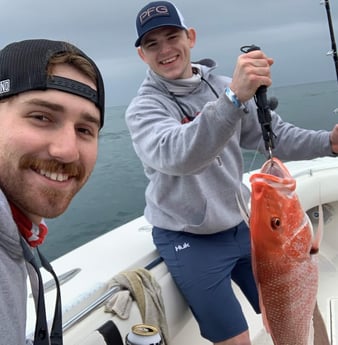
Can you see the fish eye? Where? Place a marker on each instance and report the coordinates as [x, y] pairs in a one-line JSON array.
[[275, 223]]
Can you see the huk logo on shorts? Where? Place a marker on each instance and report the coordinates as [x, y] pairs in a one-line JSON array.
[[151, 12], [4, 86], [185, 245]]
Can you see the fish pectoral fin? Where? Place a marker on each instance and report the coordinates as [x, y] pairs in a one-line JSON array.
[[243, 208], [317, 239], [320, 331]]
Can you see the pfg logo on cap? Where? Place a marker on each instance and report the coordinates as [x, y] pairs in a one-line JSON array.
[[155, 11], [5, 86]]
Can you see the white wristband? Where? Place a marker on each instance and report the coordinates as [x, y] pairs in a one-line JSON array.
[[234, 100]]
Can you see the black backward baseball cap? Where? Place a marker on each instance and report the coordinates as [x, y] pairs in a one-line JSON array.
[[23, 67]]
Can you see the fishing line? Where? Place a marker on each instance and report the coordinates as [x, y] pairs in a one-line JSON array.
[[254, 157]]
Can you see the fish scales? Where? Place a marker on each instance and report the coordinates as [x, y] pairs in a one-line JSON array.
[[285, 271]]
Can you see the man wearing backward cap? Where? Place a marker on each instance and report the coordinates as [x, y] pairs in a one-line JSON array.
[[51, 112]]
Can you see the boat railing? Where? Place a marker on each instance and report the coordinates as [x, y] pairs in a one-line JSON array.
[[90, 308]]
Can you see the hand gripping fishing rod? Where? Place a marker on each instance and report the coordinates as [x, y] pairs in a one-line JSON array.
[[263, 109], [333, 51]]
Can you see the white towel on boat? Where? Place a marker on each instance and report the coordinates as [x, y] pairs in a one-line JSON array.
[[146, 292], [120, 304]]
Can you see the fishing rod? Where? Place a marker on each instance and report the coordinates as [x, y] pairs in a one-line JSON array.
[[333, 50]]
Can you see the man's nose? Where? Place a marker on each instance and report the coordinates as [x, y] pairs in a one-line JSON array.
[[64, 145]]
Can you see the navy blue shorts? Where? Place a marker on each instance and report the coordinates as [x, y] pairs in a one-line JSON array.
[[202, 267]]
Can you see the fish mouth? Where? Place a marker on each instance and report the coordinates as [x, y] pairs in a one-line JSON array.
[[274, 167], [275, 173]]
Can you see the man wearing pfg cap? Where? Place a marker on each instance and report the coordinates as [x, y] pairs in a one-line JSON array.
[[188, 127], [51, 111]]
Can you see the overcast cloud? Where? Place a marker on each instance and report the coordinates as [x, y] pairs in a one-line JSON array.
[[294, 32]]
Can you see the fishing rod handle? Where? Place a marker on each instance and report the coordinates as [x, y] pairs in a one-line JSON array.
[[261, 92], [263, 108]]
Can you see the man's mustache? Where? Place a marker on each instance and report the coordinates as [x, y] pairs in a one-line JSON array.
[[53, 166]]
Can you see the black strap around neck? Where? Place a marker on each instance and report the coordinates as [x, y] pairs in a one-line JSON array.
[[186, 117], [41, 336]]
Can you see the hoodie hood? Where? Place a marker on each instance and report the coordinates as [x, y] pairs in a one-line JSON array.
[[9, 233]]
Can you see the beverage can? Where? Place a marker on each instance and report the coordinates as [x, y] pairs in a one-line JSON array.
[[142, 334]]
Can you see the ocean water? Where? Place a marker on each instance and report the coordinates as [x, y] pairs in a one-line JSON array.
[[114, 194]]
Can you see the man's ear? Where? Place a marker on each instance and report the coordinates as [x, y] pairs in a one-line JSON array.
[[191, 32], [141, 54]]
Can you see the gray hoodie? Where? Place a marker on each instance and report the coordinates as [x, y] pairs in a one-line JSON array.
[[13, 275], [195, 169]]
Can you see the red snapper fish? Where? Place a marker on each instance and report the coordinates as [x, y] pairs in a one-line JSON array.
[[283, 244]]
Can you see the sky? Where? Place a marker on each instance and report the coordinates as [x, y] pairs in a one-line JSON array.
[[294, 33]]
